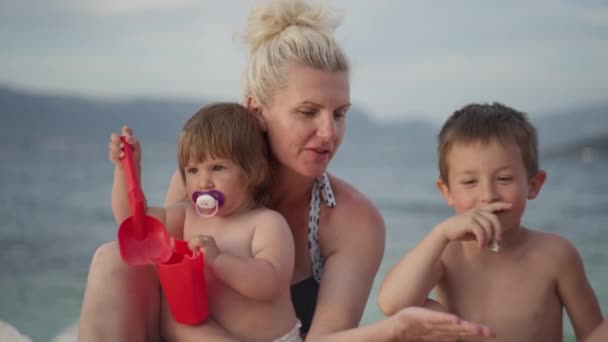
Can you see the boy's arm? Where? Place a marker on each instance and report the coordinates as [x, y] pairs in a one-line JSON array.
[[409, 282], [575, 291], [269, 271]]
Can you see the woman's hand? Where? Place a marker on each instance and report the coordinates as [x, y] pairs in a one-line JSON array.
[[419, 324]]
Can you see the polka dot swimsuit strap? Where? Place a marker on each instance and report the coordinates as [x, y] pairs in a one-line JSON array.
[[320, 189]]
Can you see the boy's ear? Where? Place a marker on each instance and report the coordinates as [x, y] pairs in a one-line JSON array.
[[536, 183], [445, 191], [254, 107]]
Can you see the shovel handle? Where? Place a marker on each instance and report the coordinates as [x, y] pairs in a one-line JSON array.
[[136, 196]]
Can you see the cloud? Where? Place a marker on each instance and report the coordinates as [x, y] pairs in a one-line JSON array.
[[121, 7], [419, 57]]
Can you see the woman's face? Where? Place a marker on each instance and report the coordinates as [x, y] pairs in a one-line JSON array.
[[305, 120]]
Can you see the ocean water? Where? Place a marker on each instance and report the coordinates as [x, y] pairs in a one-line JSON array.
[[55, 210]]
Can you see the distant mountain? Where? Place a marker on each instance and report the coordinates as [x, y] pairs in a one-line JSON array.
[[55, 121], [586, 149], [572, 125], [42, 122]]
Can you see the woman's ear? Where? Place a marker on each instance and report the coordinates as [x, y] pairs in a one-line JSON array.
[[536, 183], [256, 108]]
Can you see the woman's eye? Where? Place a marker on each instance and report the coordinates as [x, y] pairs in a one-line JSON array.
[[307, 112]]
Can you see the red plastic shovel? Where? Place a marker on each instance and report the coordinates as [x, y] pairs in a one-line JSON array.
[[142, 239]]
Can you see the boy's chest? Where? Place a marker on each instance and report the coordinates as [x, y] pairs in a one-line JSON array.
[[519, 300]]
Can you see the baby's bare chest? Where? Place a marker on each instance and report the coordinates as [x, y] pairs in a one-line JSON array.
[[231, 236]]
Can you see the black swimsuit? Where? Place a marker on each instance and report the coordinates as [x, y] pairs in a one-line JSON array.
[[304, 293]]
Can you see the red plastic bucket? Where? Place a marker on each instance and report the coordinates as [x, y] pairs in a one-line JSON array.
[[182, 279]]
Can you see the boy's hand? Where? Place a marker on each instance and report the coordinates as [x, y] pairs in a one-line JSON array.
[[116, 146], [480, 224], [205, 244]]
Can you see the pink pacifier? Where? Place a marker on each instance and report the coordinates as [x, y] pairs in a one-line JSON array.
[[207, 200]]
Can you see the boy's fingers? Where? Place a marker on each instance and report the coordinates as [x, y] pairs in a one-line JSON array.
[[495, 224], [479, 232], [492, 227], [497, 207]]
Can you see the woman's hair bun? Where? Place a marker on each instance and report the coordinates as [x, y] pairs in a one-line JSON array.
[[267, 20]]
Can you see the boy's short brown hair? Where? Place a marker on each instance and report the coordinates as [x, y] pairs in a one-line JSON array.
[[227, 130], [485, 123]]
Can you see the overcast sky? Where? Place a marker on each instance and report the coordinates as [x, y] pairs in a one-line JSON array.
[[410, 58]]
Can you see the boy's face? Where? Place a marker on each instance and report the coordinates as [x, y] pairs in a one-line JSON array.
[[483, 173], [219, 174]]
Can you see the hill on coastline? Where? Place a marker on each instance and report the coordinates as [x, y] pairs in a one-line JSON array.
[[54, 122]]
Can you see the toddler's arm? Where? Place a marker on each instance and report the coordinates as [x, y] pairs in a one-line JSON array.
[[172, 218], [120, 200], [268, 272]]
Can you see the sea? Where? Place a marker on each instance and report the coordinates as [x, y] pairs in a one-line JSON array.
[[55, 211]]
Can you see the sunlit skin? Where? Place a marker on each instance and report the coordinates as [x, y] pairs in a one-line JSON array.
[[223, 175], [248, 251], [305, 124], [519, 291], [481, 174], [305, 120]]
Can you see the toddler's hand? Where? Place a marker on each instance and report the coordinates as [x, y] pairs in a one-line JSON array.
[[205, 244], [480, 224], [115, 147]]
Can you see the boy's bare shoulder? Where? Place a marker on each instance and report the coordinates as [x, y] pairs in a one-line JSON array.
[[553, 246]]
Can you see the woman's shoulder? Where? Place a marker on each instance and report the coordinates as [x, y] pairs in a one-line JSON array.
[[354, 208], [348, 197]]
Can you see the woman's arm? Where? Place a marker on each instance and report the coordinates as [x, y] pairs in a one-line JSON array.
[[351, 239], [412, 324]]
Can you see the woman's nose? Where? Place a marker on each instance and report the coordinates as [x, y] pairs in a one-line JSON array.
[[327, 128]]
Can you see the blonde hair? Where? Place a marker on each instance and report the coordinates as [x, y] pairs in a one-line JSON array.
[[230, 131], [285, 32]]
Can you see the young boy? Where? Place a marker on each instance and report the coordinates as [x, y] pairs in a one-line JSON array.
[[485, 267], [248, 249]]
